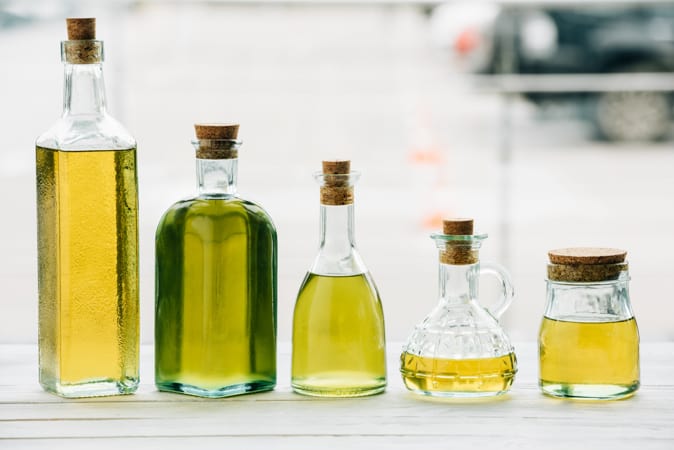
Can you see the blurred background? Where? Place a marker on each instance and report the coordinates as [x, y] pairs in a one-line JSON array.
[[549, 122]]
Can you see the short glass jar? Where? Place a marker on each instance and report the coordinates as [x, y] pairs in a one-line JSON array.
[[589, 341]]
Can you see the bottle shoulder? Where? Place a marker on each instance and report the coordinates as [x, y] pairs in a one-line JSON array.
[[86, 132], [217, 209]]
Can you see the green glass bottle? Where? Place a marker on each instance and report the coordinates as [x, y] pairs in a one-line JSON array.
[[216, 282]]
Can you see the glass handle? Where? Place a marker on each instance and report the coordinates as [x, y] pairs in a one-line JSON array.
[[508, 292]]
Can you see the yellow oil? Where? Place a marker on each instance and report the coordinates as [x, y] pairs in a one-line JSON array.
[[88, 271], [590, 360], [458, 377], [338, 337]]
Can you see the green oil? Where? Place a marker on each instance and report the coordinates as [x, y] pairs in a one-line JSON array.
[[338, 337], [215, 315]]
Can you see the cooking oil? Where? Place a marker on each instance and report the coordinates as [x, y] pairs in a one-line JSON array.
[[589, 359], [338, 337], [216, 298], [435, 376], [88, 274]]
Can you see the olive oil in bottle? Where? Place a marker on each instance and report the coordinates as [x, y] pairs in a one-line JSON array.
[[339, 336], [215, 317], [427, 374], [605, 357], [87, 236], [338, 325]]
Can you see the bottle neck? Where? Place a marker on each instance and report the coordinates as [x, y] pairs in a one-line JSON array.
[[217, 176], [337, 230], [84, 89], [458, 283]]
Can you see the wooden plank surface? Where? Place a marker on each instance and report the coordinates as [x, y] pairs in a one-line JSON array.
[[33, 419]]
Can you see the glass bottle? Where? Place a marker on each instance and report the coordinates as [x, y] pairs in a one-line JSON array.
[[87, 235], [338, 326], [588, 341], [459, 349], [216, 281]]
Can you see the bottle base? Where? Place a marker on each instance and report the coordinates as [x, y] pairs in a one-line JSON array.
[[589, 391], [323, 388], [93, 388], [458, 394], [252, 387]]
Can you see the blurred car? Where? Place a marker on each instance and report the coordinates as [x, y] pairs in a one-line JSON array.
[[539, 37]]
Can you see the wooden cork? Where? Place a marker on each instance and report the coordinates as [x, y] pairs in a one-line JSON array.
[[458, 252], [217, 140], [336, 189], [336, 167], [586, 264], [80, 29], [458, 227], [216, 130], [82, 46], [587, 255]]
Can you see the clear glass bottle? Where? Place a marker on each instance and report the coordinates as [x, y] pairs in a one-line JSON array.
[[459, 349], [589, 340], [339, 347], [87, 235], [216, 282]]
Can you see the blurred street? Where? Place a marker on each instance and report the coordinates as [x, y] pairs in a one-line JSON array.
[[311, 83]]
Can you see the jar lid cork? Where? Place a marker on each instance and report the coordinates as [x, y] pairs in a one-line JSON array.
[[336, 167], [587, 255], [216, 130], [81, 29], [457, 227], [586, 264]]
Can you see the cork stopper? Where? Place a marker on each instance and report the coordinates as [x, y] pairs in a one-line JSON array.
[[80, 29], [336, 167], [586, 264], [82, 46], [587, 255], [458, 252], [336, 189], [217, 140], [457, 227], [216, 130]]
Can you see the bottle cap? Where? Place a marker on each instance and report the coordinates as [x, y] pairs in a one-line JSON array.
[[587, 255], [81, 29], [81, 46], [217, 140], [586, 264], [458, 227], [216, 130], [336, 189], [336, 167]]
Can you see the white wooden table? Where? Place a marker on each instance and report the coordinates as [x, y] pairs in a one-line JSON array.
[[523, 419]]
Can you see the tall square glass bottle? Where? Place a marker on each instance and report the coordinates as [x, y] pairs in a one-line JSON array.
[[87, 235]]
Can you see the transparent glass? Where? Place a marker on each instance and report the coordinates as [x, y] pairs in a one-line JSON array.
[[589, 340], [339, 345], [216, 290], [459, 349], [87, 245]]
